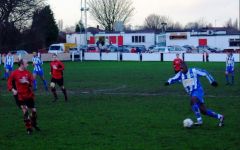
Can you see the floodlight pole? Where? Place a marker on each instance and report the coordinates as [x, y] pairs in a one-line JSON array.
[[85, 10]]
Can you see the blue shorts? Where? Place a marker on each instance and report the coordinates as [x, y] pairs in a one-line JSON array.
[[199, 94], [229, 69], [40, 73], [9, 67]]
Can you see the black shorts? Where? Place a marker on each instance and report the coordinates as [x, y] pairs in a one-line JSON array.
[[29, 103], [59, 82]]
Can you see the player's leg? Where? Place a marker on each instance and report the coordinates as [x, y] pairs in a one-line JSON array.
[[196, 110], [16, 100], [26, 118], [64, 93], [6, 74], [34, 81], [44, 81], [211, 113], [53, 89], [226, 76], [31, 106], [60, 83], [232, 77]]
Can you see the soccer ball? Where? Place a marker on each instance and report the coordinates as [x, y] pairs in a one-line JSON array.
[[187, 123]]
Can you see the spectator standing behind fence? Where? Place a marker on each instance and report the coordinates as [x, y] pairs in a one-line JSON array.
[[177, 64]]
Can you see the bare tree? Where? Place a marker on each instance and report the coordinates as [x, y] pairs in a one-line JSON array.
[[155, 22], [201, 23], [107, 12], [231, 24]]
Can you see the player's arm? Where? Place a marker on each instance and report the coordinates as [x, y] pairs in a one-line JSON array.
[[60, 66], [10, 84], [174, 79], [174, 64], [202, 72]]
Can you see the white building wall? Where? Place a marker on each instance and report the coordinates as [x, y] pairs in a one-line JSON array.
[[149, 39], [219, 41], [79, 39], [183, 42]]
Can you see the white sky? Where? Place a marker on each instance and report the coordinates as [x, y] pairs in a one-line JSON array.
[[183, 11]]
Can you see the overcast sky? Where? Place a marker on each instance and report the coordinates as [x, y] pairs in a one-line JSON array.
[[216, 12]]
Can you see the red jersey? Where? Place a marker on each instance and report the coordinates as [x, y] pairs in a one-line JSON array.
[[21, 80], [57, 68], [177, 64]]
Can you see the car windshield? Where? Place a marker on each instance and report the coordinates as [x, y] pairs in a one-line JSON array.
[[91, 48], [55, 48], [171, 48]]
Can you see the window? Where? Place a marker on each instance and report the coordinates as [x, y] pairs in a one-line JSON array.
[[138, 39], [143, 39], [234, 42]]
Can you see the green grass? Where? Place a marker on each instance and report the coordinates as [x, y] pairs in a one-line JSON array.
[[123, 106]]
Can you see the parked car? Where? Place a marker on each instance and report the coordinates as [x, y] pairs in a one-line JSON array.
[[124, 48], [112, 48], [151, 47], [74, 50], [228, 50], [160, 49], [92, 49], [20, 52], [190, 49], [176, 49], [237, 51]]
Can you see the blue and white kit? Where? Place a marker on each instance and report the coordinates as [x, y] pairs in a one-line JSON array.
[[37, 66], [230, 64], [191, 82]]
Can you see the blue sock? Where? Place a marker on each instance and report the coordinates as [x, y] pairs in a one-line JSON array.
[[35, 84], [196, 110], [227, 79], [45, 84], [5, 75], [232, 79], [213, 114]]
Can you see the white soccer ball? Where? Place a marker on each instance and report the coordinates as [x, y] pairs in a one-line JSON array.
[[187, 123], [52, 85]]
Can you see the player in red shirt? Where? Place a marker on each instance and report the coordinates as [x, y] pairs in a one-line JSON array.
[[57, 68], [20, 83], [177, 64]]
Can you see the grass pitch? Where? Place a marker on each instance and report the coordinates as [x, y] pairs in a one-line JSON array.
[[123, 106]]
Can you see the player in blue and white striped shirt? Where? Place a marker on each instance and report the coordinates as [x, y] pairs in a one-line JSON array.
[[189, 77], [8, 65], [229, 68], [38, 70]]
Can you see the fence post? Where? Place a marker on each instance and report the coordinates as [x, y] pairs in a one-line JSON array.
[[73, 55]]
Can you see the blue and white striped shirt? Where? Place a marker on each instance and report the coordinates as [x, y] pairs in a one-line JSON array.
[[9, 61], [37, 63], [190, 80], [230, 61]]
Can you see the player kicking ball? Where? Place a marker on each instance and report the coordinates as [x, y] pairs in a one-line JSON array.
[[190, 80], [23, 80], [57, 68]]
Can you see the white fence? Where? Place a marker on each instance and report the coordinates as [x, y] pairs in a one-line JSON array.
[[213, 57]]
